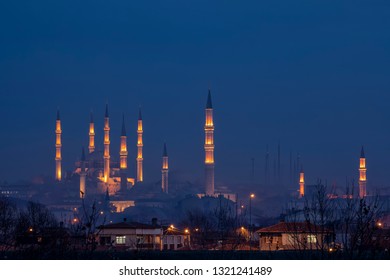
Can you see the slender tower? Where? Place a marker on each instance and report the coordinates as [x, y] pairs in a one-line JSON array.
[[164, 170], [106, 146], [301, 183], [58, 147], [140, 174], [82, 174], [123, 157], [91, 146], [279, 170], [266, 169], [209, 147], [362, 175]]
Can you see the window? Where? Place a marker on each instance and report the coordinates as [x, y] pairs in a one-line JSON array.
[[311, 238], [140, 239], [120, 240]]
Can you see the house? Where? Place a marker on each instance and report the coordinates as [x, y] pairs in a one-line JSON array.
[[294, 236], [174, 239], [130, 236]]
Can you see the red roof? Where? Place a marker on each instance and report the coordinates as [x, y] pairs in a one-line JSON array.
[[283, 227]]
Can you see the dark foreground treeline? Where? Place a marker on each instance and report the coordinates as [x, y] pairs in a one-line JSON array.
[[32, 232], [182, 255]]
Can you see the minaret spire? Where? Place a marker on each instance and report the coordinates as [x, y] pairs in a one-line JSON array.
[[106, 146], [123, 156], [140, 175], [279, 171], [82, 174], [209, 104], [91, 146], [58, 158], [266, 168], [301, 183], [362, 175], [209, 147], [164, 170]]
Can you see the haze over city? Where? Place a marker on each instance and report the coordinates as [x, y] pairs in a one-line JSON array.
[[193, 130], [312, 76]]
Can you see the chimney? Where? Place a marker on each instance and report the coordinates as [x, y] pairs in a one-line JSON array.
[[154, 222], [125, 220]]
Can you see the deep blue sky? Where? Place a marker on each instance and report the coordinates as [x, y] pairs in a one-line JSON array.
[[313, 74]]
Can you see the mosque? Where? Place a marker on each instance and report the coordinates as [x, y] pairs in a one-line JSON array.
[[100, 173]]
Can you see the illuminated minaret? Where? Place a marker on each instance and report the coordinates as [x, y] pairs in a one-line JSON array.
[[91, 146], [362, 175], [209, 148], [58, 147], [140, 174], [106, 146], [123, 157], [301, 183], [82, 174], [164, 170]]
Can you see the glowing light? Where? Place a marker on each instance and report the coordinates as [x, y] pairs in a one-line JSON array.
[[242, 228], [186, 231], [196, 229], [172, 226], [30, 229], [252, 195]]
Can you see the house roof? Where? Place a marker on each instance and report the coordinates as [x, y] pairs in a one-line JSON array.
[[284, 227], [129, 225]]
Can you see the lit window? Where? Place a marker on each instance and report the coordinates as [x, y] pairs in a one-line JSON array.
[[120, 240], [311, 238]]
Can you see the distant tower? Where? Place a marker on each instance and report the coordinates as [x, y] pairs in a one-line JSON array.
[[266, 169], [209, 147], [58, 147], [279, 169], [140, 174], [123, 157], [91, 146], [362, 175], [291, 169], [301, 183], [106, 146], [164, 170], [82, 174]]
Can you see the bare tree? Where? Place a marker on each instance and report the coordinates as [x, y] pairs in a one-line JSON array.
[[357, 224], [8, 217], [87, 225]]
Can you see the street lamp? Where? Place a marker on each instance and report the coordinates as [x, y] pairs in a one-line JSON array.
[[250, 220]]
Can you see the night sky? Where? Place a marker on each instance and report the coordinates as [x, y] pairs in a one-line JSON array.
[[314, 75]]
